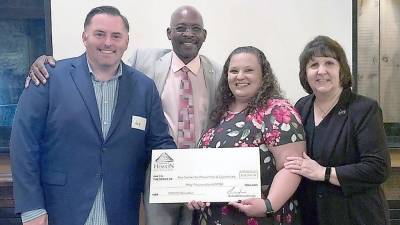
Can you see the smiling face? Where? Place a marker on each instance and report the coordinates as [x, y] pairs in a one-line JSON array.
[[186, 33], [323, 75], [244, 76], [106, 39]]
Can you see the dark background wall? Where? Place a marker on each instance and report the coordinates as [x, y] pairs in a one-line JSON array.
[[22, 39], [25, 35]]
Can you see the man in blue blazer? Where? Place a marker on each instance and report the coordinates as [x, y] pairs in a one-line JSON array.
[[80, 145], [187, 34]]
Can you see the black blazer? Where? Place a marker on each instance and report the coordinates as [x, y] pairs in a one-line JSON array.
[[356, 147]]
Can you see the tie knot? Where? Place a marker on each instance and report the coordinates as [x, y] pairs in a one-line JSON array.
[[185, 69]]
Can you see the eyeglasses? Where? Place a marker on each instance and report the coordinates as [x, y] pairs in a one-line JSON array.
[[183, 28]]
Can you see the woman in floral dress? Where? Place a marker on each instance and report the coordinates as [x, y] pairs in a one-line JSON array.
[[250, 112]]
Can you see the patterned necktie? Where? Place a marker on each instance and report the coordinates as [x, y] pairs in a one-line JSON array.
[[186, 111]]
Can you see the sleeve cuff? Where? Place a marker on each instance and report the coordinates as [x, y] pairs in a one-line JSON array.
[[33, 214]]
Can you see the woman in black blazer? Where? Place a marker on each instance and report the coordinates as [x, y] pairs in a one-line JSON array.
[[347, 158]]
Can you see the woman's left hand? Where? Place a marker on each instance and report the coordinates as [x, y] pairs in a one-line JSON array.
[[253, 207], [306, 167]]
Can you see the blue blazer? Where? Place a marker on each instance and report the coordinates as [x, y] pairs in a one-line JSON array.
[[58, 153]]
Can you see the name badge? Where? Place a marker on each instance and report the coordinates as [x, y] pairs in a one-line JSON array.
[[138, 123]]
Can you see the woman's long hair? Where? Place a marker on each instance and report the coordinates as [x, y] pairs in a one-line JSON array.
[[269, 88]]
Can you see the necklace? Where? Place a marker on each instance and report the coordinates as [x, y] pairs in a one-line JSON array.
[[325, 112]]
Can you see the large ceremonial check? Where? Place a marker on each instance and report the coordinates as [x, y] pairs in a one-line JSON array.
[[208, 175]]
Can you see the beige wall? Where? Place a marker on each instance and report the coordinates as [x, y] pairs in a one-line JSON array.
[[280, 28]]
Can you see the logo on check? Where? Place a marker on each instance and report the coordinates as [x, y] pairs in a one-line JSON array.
[[163, 162]]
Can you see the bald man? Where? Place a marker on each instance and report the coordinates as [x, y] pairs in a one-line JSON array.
[[187, 34]]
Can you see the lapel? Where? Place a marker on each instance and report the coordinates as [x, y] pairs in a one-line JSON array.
[[81, 77], [209, 74], [305, 111], [126, 85], [336, 125], [211, 80], [161, 69]]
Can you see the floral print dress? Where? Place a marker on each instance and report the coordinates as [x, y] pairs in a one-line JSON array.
[[276, 124]]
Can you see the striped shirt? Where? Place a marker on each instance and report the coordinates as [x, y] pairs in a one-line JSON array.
[[106, 97]]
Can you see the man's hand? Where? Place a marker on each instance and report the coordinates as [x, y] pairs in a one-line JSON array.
[[193, 205], [41, 220], [38, 72]]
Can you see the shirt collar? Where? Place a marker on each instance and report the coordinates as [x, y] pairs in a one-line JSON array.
[[193, 66], [117, 75]]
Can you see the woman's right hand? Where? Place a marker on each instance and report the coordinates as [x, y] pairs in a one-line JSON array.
[[253, 207], [38, 73], [193, 205], [306, 167]]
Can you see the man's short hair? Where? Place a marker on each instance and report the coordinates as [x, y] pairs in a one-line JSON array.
[[110, 10]]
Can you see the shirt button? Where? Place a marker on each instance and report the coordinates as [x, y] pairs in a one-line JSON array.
[[104, 149]]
